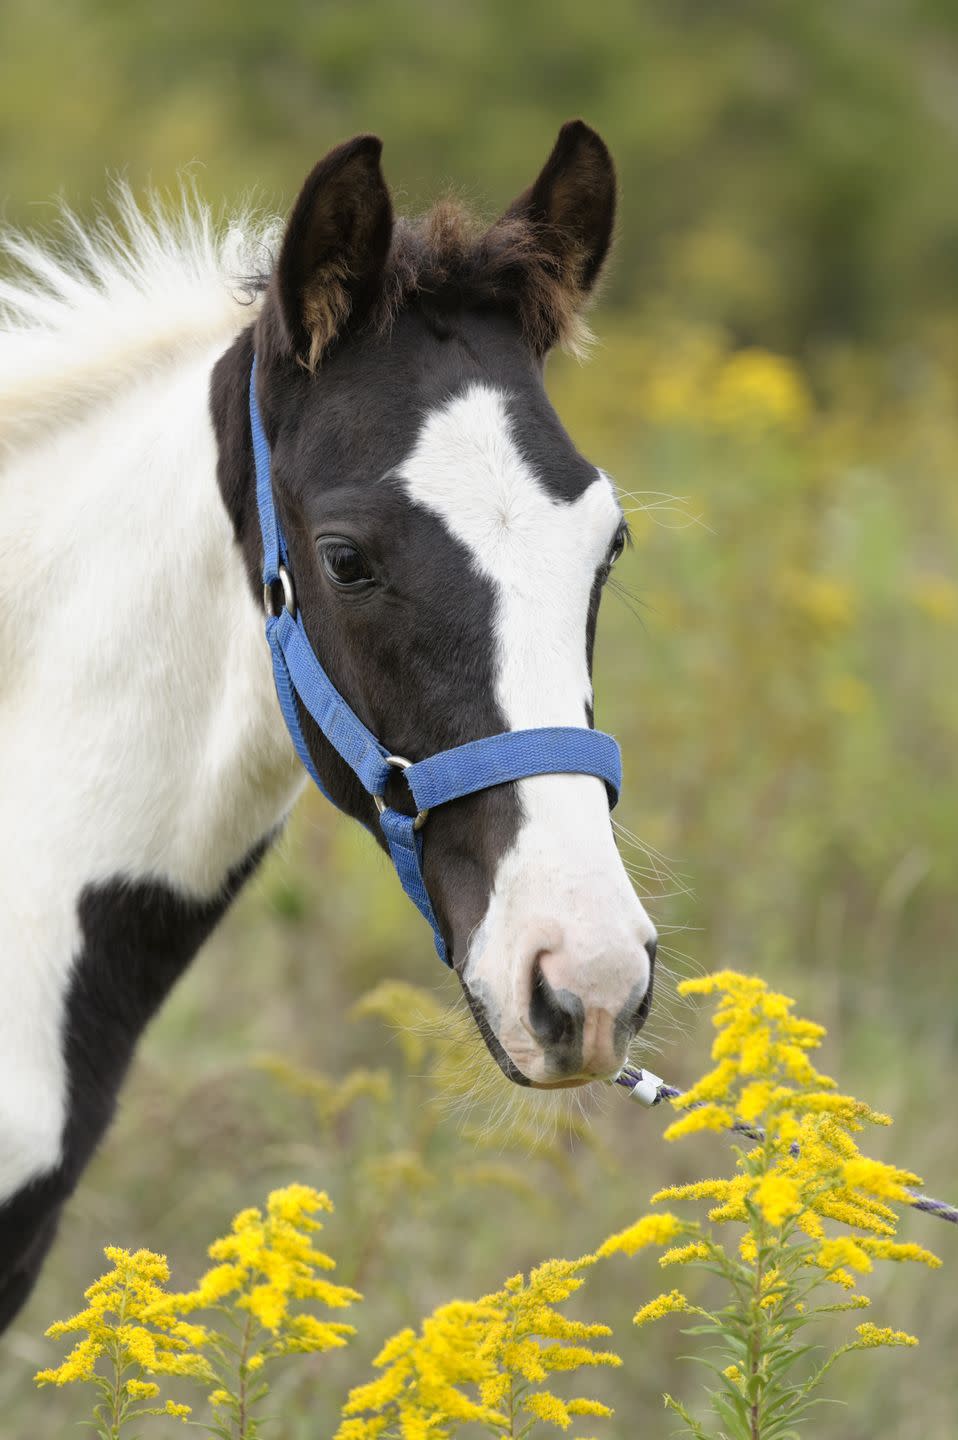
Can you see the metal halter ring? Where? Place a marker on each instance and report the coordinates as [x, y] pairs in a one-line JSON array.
[[285, 579], [398, 763]]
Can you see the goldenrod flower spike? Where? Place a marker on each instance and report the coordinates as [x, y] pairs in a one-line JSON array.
[[267, 1271], [484, 1362], [650, 1090], [800, 1172]]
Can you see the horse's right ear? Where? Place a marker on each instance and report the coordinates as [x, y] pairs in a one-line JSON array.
[[335, 247]]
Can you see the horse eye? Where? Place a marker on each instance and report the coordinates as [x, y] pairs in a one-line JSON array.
[[345, 566], [618, 545]]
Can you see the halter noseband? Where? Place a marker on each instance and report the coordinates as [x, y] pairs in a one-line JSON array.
[[446, 776]]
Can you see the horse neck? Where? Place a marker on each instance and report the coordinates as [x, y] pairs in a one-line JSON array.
[[138, 723]]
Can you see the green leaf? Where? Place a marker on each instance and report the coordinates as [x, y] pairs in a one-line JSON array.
[[680, 1410], [734, 1413], [754, 1386], [788, 1357], [788, 1396]]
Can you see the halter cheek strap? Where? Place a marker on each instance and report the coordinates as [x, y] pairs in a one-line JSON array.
[[438, 779]]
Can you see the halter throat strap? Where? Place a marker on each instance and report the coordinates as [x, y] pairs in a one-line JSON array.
[[435, 780]]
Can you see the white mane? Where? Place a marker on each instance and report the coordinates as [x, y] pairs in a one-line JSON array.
[[134, 291]]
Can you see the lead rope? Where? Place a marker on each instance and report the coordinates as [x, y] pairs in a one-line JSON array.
[[650, 1090]]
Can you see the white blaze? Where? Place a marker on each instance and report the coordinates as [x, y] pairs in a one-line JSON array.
[[562, 886]]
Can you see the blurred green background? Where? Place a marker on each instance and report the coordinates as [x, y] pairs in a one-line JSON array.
[[775, 390]]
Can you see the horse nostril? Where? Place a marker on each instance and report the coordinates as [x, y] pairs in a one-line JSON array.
[[651, 949], [556, 1017], [640, 1014]]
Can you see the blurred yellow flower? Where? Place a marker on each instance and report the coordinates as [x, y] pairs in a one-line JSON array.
[[847, 695], [935, 596], [756, 387], [679, 382], [825, 601]]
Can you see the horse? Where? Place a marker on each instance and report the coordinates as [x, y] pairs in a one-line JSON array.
[[450, 546]]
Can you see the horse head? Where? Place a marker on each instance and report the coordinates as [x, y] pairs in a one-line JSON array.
[[450, 547]]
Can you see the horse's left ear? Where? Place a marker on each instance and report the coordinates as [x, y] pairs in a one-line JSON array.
[[572, 205], [335, 246]]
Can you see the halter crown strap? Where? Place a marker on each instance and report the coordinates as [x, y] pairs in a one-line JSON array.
[[446, 776]]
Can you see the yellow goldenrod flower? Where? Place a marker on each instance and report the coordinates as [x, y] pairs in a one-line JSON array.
[[469, 1357], [842, 1251], [589, 1407], [129, 1318], [890, 1250], [729, 983], [695, 1190], [716, 1085], [755, 1100], [871, 1336], [142, 1389], [811, 1225], [649, 1230], [855, 1213], [268, 1304], [804, 1167], [683, 1254], [268, 1268], [358, 1429], [708, 1116], [269, 1261], [548, 1408], [733, 1207], [879, 1179], [669, 1303]]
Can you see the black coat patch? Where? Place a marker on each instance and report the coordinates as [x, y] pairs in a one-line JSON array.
[[138, 938]]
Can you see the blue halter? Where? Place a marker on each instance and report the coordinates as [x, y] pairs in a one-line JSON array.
[[449, 775]]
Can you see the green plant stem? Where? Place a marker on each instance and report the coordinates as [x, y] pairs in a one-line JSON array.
[[116, 1418], [755, 1343], [244, 1353]]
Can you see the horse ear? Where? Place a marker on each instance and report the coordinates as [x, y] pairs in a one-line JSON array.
[[335, 247], [572, 206]]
